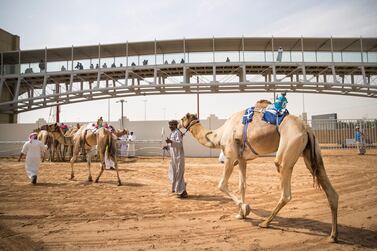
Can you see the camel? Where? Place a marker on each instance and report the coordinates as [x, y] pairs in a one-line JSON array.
[[45, 137], [69, 147], [289, 140], [59, 140], [104, 140]]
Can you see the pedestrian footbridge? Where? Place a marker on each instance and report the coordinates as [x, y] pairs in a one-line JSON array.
[[35, 79]]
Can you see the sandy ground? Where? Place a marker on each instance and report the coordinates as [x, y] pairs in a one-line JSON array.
[[59, 214]]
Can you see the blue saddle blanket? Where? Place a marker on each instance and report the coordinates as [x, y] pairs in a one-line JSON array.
[[273, 116], [270, 116], [248, 115]]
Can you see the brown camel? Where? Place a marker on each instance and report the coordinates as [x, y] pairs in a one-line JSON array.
[[290, 140], [104, 140]]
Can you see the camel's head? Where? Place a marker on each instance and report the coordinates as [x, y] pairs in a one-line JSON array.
[[120, 133], [188, 120], [263, 103], [54, 128]]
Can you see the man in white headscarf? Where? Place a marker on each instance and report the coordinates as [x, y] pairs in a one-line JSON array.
[[33, 149], [177, 162]]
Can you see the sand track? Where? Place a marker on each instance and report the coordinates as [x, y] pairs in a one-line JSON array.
[[59, 214]]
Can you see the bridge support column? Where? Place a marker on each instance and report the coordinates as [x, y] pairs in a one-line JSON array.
[[274, 73], [334, 74], [155, 73], [214, 73], [186, 75], [126, 78], [365, 82], [17, 89], [6, 95], [242, 74], [304, 73]]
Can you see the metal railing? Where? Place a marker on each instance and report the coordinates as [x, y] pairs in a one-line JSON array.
[[340, 133]]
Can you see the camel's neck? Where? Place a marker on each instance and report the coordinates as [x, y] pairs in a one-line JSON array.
[[206, 137], [62, 139]]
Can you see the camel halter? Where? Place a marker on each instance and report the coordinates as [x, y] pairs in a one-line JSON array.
[[194, 122]]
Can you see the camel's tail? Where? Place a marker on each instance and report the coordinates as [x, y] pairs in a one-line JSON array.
[[110, 145], [313, 158]]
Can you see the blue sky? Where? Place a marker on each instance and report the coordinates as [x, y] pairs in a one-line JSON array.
[[43, 23]]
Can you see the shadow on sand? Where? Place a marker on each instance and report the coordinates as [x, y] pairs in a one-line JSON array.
[[347, 235], [11, 240], [217, 198]]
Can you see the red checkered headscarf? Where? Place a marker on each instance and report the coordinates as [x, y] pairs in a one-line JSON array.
[[32, 136]]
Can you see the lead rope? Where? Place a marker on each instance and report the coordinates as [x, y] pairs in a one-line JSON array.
[[194, 122]]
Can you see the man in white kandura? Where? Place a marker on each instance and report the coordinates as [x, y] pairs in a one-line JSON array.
[[177, 162], [33, 149], [131, 145]]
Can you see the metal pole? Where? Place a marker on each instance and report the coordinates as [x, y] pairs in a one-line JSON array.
[[332, 50], [213, 49], [45, 59], [302, 49], [272, 48], [99, 56], [19, 62], [184, 49], [71, 59], [127, 54], [155, 52], [121, 102], [243, 49], [361, 50]]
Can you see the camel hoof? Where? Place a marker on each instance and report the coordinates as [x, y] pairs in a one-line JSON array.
[[90, 179], [72, 177], [240, 217], [119, 183], [96, 181], [245, 209], [332, 239], [264, 224]]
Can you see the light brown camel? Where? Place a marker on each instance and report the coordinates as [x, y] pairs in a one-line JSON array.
[[69, 148], [60, 140], [290, 140], [104, 140], [46, 138]]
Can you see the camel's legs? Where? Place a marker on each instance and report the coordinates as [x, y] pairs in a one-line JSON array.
[[76, 150], [116, 169], [223, 185], [101, 171], [244, 208], [332, 197], [285, 183], [286, 157], [89, 161]]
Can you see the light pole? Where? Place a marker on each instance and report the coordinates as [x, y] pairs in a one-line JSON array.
[[121, 110], [145, 109]]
